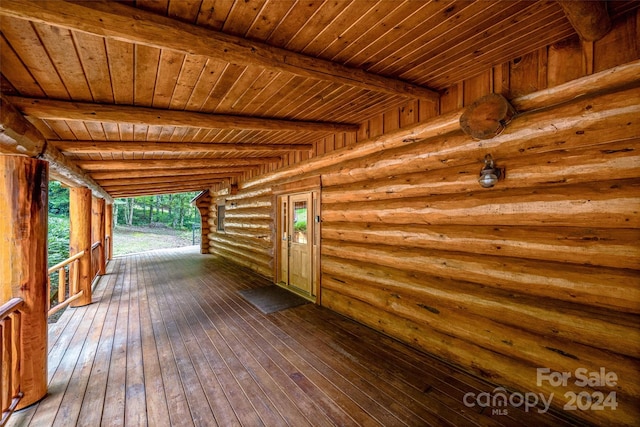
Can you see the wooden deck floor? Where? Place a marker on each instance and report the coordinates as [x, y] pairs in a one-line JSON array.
[[168, 341]]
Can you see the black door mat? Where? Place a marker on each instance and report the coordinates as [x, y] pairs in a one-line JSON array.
[[269, 299]]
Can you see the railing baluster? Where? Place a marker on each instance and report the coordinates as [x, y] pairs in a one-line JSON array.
[[4, 363], [10, 373], [17, 352], [62, 278], [48, 292], [76, 276], [6, 356], [63, 301]]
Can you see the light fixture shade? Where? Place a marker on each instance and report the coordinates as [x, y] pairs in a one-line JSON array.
[[489, 175], [487, 178]]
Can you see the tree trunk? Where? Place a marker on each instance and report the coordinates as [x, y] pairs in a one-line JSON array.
[[130, 211]]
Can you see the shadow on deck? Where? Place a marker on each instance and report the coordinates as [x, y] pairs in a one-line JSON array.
[[168, 341]]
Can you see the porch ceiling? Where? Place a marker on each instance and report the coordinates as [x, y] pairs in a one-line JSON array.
[[233, 85]]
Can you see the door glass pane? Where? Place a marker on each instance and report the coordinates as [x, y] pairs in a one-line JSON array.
[[284, 221], [300, 222]]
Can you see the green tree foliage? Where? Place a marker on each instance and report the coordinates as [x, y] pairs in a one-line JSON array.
[[58, 199], [58, 237], [170, 210]]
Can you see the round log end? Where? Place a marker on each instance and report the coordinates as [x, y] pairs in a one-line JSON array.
[[487, 117]]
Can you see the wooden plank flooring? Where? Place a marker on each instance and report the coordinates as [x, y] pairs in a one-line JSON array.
[[169, 342]]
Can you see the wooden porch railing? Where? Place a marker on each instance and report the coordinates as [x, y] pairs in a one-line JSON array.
[[107, 247], [11, 375], [96, 256], [67, 268]]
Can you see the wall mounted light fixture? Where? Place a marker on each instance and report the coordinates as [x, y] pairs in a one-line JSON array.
[[490, 174]]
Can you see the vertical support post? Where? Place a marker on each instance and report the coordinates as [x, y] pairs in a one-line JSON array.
[[24, 186], [108, 229], [204, 229], [98, 233], [80, 240]]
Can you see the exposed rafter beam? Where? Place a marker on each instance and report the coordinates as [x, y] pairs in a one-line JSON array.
[[589, 18], [67, 110], [105, 165], [133, 192], [106, 183], [149, 173], [188, 184], [90, 147], [120, 22], [19, 136]]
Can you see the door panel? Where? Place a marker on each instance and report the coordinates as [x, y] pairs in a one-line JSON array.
[[300, 229], [283, 273]]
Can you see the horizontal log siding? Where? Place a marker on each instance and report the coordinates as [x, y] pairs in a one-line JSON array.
[[540, 271], [248, 229]]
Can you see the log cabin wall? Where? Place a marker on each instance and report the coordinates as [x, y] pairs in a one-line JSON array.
[[539, 272], [247, 235]]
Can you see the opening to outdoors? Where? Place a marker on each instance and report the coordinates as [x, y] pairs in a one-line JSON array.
[[140, 224], [155, 222]]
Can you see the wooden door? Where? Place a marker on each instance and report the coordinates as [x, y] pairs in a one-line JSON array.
[[283, 239], [300, 225]]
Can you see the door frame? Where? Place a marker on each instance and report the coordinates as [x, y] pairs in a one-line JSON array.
[[311, 185]]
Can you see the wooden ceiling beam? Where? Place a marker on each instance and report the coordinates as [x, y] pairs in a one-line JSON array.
[[133, 191], [127, 194], [47, 109], [121, 22], [589, 18], [19, 136], [106, 165], [151, 186], [91, 147], [162, 179], [175, 173]]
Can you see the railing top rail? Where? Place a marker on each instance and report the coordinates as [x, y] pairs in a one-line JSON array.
[[65, 262], [14, 304], [96, 244], [65, 303]]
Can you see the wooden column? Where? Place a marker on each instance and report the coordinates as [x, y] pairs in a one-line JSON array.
[[204, 229], [23, 262], [98, 231], [108, 224], [80, 239]]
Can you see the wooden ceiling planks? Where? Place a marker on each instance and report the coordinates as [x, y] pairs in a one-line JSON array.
[[24, 41], [533, 31], [117, 21], [429, 44]]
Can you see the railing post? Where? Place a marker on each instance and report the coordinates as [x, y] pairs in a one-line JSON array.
[[97, 231], [80, 240], [24, 185]]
